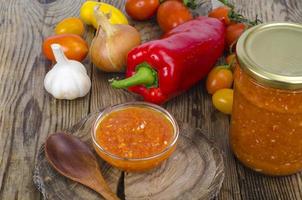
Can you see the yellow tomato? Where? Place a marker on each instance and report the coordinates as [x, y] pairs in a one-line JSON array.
[[87, 13], [71, 25], [223, 100]]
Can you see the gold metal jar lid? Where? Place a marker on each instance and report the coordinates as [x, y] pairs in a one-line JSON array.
[[272, 54]]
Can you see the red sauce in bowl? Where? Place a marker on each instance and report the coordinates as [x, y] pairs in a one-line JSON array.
[[135, 132], [135, 136]]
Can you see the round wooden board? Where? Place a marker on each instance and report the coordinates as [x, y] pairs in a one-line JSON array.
[[194, 171]]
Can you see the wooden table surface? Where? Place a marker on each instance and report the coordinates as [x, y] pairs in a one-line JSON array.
[[29, 114]]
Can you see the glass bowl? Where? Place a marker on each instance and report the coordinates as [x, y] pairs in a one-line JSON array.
[[135, 164]]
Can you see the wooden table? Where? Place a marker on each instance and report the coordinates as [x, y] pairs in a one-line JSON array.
[[29, 114]]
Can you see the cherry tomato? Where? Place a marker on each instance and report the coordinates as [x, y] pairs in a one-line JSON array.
[[141, 9], [233, 32], [70, 25], [171, 14], [74, 46], [230, 59], [219, 78], [221, 13], [223, 100]]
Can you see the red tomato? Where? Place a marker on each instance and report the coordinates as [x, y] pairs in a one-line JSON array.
[[233, 33], [219, 78], [141, 9], [221, 13], [172, 13], [74, 46]]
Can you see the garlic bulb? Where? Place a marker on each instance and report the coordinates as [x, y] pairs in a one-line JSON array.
[[68, 79]]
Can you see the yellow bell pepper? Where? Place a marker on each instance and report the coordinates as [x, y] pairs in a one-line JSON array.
[[87, 13]]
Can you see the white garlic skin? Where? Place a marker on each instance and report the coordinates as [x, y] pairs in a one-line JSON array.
[[66, 83], [68, 79]]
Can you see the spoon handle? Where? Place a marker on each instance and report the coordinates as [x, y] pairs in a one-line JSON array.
[[102, 188]]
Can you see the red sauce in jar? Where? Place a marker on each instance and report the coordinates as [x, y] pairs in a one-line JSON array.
[[266, 127]]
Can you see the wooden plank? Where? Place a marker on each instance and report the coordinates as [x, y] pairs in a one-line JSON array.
[[28, 113], [253, 185]]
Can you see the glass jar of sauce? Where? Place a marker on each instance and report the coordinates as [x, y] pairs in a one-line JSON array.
[[266, 124]]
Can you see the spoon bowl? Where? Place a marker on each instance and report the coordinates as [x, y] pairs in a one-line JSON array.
[[73, 159]]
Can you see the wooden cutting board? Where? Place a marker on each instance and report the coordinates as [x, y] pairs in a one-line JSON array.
[[194, 171]]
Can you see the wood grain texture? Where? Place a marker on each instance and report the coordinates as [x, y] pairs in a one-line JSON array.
[[53, 186], [103, 94], [194, 171], [28, 114]]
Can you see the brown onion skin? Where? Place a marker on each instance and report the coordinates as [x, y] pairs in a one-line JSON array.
[[108, 52]]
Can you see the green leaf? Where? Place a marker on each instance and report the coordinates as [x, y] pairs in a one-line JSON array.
[[190, 4], [227, 3]]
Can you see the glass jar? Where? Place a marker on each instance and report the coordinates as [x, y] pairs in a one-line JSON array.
[[266, 124]]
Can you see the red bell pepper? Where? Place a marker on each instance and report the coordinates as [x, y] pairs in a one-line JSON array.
[[161, 69]]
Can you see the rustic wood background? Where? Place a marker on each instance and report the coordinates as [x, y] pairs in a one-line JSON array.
[[29, 114]]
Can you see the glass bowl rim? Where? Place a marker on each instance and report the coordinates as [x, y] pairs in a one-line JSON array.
[[116, 107]]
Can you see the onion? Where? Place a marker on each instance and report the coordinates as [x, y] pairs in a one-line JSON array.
[[111, 44]]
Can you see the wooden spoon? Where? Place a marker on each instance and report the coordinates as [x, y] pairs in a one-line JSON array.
[[73, 159]]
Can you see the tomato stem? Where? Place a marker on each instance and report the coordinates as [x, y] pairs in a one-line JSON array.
[[230, 65], [190, 4], [232, 46], [227, 67], [227, 3], [237, 17]]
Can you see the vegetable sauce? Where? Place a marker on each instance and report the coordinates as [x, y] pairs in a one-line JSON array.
[[266, 127], [134, 132]]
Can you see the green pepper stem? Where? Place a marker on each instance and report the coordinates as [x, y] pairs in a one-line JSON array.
[[144, 75]]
